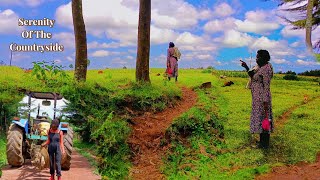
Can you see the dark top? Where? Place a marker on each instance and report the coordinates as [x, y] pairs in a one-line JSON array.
[[54, 142]]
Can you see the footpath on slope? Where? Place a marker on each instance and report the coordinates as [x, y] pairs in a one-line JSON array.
[[148, 130], [80, 169], [302, 170]]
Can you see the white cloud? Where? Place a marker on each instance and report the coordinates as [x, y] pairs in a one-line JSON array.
[[258, 21], [301, 56], [109, 15], [57, 61], [256, 27], [161, 59], [257, 16], [197, 57], [306, 63], [276, 48], [204, 56], [130, 57], [264, 43], [96, 45], [287, 31], [235, 39], [16, 57], [280, 61], [191, 42], [118, 20], [69, 58], [205, 14], [101, 53], [295, 44], [219, 25], [176, 14], [9, 22], [223, 10], [159, 36], [31, 3], [188, 38], [34, 3], [65, 38]]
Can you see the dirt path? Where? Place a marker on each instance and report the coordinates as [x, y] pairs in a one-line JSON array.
[[147, 132], [294, 172], [309, 171], [80, 169]]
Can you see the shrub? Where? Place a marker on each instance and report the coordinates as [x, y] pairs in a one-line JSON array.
[[207, 71], [290, 77]]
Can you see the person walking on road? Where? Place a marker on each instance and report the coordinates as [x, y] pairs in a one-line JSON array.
[[55, 148]]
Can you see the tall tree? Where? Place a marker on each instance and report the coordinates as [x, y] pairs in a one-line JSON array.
[[308, 26], [143, 50], [80, 34], [309, 21]]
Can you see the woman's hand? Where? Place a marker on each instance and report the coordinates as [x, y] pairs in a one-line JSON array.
[[43, 144], [244, 64]]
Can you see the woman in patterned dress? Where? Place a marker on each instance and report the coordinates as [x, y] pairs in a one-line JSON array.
[[172, 62], [261, 96]]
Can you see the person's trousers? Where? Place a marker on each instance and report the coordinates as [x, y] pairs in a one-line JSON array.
[[55, 161], [264, 140]]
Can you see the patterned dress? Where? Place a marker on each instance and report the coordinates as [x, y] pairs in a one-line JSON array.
[[260, 90], [173, 62]]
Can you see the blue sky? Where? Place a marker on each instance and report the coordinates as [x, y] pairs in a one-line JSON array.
[[207, 32]]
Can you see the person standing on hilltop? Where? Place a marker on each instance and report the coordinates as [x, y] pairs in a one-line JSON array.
[[173, 54], [261, 121]]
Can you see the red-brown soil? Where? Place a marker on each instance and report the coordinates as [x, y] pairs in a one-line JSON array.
[[148, 130], [299, 171], [302, 170], [80, 169]]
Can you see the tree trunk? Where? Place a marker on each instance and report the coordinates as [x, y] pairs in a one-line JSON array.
[[143, 50], [309, 25], [81, 61]]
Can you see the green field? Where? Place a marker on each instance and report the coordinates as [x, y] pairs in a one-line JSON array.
[[218, 143]]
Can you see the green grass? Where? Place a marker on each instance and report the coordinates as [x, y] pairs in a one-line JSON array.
[[211, 141], [299, 140], [3, 157], [232, 158]]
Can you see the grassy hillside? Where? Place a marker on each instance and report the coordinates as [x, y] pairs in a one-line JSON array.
[[202, 155], [211, 141]]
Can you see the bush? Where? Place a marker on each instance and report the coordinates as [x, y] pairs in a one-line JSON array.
[[207, 71], [196, 121], [290, 77], [111, 143], [291, 72]]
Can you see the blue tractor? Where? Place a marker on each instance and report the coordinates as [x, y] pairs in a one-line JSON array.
[[29, 131]]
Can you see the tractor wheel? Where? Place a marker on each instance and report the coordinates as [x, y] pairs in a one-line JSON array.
[[15, 146], [68, 144]]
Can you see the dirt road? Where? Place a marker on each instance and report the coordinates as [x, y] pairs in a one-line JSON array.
[[80, 169]]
